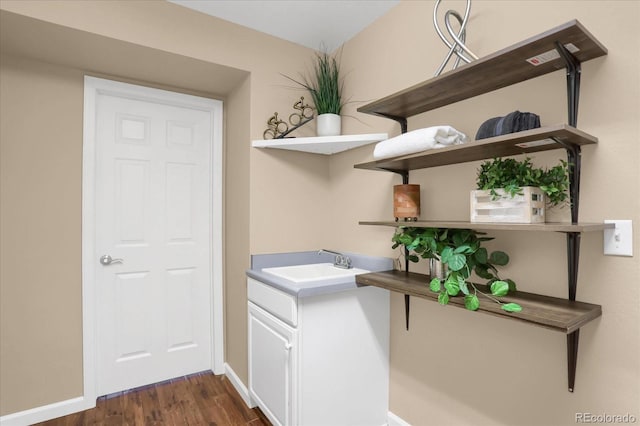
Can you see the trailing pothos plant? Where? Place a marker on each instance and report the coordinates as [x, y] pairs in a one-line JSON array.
[[461, 250], [511, 175]]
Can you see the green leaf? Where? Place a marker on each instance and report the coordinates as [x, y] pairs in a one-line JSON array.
[[463, 249], [511, 307], [461, 237], [471, 302], [452, 286], [499, 258], [443, 298], [456, 262], [512, 284], [447, 252], [405, 239], [499, 288], [434, 285], [483, 272], [413, 258], [481, 255], [463, 286]]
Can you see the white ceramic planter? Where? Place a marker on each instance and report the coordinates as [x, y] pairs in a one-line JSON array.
[[328, 125]]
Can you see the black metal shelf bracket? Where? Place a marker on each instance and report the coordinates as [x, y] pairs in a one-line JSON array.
[[574, 71], [403, 173], [407, 305], [572, 357], [407, 298], [401, 120]]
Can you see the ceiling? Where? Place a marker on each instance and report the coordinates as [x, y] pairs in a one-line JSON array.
[[317, 24]]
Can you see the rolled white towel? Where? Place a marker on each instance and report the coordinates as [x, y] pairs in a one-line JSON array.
[[418, 140]]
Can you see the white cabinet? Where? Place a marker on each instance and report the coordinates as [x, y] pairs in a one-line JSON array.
[[324, 360], [271, 364]]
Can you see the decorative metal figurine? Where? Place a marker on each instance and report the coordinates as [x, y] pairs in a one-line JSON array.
[[456, 45], [278, 129], [305, 112]]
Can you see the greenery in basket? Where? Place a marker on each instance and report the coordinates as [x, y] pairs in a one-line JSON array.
[[512, 175], [324, 84], [461, 250]]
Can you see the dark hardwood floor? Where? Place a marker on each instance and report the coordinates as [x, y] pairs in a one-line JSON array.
[[198, 399]]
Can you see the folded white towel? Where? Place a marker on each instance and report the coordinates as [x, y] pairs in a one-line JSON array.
[[418, 140]]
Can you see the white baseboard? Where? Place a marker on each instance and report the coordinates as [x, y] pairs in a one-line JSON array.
[[237, 383], [396, 421], [47, 412]]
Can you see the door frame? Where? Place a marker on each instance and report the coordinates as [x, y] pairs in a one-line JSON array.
[[92, 87]]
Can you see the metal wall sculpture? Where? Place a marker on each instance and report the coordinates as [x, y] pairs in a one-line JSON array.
[[456, 44]]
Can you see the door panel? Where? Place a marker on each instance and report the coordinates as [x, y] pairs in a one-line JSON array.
[[180, 202], [131, 197], [153, 209], [180, 319], [133, 324]]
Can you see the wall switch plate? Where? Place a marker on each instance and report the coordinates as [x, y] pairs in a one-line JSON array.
[[619, 241]]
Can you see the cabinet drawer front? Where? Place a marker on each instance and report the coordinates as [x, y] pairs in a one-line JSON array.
[[274, 301]]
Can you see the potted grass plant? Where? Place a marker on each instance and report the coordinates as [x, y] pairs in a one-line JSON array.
[[325, 85]]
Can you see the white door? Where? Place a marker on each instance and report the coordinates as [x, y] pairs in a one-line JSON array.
[[153, 218], [272, 374]]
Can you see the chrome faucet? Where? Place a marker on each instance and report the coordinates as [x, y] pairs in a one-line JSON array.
[[340, 261]]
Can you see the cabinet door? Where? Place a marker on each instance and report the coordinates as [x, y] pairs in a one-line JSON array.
[[272, 350]]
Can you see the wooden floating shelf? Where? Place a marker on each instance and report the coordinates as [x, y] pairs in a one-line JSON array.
[[548, 226], [563, 47], [549, 312], [525, 142], [492, 72], [326, 145]]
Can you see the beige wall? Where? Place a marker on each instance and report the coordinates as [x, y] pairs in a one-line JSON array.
[[41, 330], [40, 182], [456, 367], [284, 201], [236, 229]]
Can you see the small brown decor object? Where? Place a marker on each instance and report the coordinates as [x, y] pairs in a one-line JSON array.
[[527, 207], [406, 202]]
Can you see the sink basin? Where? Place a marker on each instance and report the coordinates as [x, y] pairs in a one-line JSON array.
[[314, 273]]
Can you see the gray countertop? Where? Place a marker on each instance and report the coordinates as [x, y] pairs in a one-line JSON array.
[[261, 261]]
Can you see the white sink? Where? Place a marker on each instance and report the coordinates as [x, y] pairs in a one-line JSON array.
[[314, 273]]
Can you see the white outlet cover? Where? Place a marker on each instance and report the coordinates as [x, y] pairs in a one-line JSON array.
[[619, 241]]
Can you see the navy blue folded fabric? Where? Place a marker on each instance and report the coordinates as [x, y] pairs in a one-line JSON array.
[[513, 122]]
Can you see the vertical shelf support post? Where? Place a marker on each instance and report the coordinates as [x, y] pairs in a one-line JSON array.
[[573, 81], [407, 305], [407, 298], [405, 180], [572, 357], [573, 256], [573, 238]]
